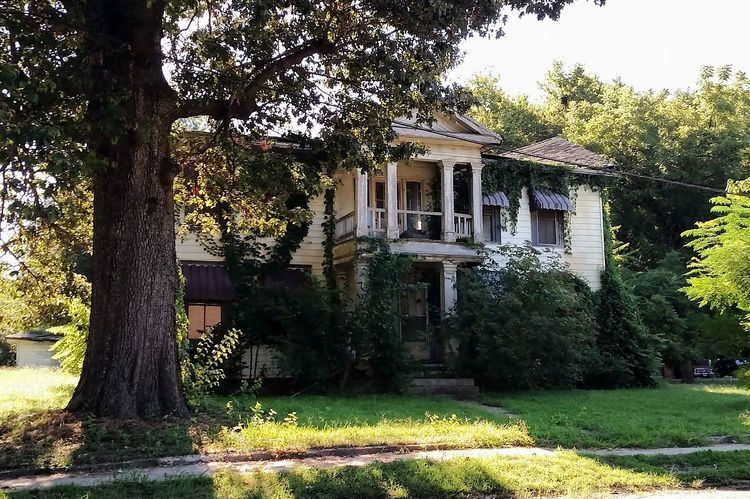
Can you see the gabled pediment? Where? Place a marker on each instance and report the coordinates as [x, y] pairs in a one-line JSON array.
[[445, 127]]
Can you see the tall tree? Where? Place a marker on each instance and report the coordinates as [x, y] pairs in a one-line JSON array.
[[92, 88]]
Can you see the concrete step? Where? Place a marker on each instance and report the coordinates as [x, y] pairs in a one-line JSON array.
[[442, 382], [462, 388]]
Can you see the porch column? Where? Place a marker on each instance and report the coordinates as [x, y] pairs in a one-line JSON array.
[[391, 202], [476, 201], [360, 204], [449, 228], [448, 292]]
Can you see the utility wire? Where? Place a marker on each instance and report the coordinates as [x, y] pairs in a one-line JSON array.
[[605, 170]]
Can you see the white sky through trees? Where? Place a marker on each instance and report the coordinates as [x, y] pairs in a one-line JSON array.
[[648, 43]]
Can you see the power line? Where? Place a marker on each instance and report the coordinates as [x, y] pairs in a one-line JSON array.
[[609, 171]]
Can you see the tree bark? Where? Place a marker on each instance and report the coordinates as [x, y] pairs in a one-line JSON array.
[[131, 368]]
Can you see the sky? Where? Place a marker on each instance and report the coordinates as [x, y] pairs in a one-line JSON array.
[[648, 43]]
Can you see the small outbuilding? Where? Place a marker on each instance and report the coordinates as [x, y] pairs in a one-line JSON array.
[[33, 348]]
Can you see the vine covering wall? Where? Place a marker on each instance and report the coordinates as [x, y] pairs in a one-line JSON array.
[[512, 176]]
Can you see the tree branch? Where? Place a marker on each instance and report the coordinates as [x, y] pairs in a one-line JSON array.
[[242, 105]]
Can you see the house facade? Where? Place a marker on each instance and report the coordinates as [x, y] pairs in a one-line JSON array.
[[431, 207]]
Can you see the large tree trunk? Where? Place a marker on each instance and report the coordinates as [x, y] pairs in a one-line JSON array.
[[131, 368]]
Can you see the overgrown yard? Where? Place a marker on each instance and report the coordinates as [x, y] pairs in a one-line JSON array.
[[34, 432], [562, 473], [671, 415]]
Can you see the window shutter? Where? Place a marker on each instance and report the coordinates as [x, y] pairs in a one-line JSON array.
[[560, 228], [534, 228]]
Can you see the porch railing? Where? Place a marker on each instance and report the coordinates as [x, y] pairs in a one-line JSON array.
[[463, 226], [376, 221], [345, 225]]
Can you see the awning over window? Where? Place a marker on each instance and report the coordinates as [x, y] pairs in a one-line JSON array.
[[498, 199], [207, 282], [545, 199]]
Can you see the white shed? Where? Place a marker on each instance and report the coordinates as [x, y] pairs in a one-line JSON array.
[[33, 348]]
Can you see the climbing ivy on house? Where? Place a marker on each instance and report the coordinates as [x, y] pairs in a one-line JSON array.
[[512, 176]]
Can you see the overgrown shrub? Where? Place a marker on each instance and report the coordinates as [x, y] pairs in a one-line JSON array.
[[314, 341], [7, 356], [376, 331], [528, 324], [627, 353], [685, 331]]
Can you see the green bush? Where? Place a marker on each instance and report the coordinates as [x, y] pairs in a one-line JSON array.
[[7, 355], [376, 331], [529, 324], [71, 348], [313, 338], [627, 353]]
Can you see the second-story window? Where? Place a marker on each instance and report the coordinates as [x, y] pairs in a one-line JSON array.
[[546, 227], [492, 224]]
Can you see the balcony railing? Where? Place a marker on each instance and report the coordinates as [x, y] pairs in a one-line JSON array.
[[412, 224], [376, 220], [345, 225], [462, 225]]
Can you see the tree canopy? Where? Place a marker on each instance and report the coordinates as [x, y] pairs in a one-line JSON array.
[[91, 90]]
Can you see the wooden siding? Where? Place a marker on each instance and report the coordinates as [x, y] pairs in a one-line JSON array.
[[586, 257], [310, 252], [34, 353]]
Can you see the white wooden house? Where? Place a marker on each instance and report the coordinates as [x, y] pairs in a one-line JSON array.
[[413, 204]]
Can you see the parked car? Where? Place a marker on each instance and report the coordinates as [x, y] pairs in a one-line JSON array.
[[703, 372]]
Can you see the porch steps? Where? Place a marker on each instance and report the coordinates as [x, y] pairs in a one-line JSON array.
[[438, 379]]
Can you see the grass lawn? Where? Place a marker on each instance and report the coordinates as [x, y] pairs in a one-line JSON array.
[[716, 468], [563, 473], [671, 415], [34, 432]]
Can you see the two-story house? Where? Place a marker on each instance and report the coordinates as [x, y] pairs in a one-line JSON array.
[[431, 207]]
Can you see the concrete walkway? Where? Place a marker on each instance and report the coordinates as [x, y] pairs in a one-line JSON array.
[[208, 465]]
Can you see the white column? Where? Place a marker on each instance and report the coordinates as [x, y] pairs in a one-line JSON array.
[[360, 204], [391, 201], [449, 228], [476, 201], [448, 292]]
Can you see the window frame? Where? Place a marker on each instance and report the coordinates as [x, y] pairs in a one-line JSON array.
[[495, 213], [558, 226], [204, 305]]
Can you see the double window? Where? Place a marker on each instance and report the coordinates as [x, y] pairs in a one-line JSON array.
[[202, 316]]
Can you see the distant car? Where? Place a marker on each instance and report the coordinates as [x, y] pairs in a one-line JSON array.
[[703, 372]]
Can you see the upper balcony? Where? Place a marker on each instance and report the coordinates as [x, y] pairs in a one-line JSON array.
[[437, 201]]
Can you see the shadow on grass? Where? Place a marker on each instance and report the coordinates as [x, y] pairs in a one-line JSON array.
[[561, 473], [57, 439]]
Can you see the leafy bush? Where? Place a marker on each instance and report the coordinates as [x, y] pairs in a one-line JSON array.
[[7, 355], [205, 371], [313, 339], [626, 351], [376, 331], [685, 331], [528, 324], [71, 348]]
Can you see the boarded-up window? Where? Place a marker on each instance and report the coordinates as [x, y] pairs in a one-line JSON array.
[[202, 316]]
